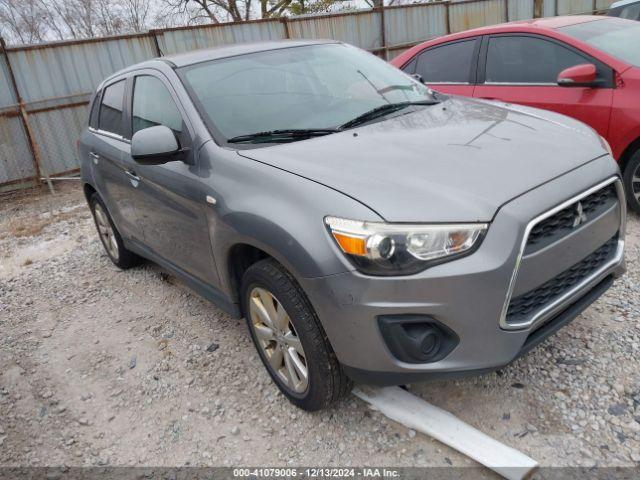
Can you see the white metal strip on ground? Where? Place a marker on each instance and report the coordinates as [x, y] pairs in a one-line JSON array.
[[413, 412]]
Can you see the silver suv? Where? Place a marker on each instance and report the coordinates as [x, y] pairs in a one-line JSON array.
[[367, 227]]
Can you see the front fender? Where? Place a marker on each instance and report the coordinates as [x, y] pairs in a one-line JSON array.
[[276, 211]]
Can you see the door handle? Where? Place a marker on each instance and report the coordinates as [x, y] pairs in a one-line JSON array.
[[133, 177], [95, 157], [488, 98]]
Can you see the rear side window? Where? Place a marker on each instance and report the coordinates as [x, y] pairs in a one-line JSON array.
[[111, 108], [153, 105], [527, 60], [448, 63]]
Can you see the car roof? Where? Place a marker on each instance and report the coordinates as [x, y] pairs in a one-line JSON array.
[[214, 53], [547, 23], [225, 51], [622, 3]]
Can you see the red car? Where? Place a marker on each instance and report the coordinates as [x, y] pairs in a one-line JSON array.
[[586, 67]]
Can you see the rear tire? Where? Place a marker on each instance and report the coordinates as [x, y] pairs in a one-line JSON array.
[[289, 338], [631, 180], [110, 237]]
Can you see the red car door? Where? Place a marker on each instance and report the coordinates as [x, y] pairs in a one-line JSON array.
[[449, 67], [520, 68]]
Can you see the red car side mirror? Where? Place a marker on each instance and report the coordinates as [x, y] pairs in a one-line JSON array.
[[578, 76]]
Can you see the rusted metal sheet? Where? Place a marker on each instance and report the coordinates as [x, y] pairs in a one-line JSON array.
[[568, 7], [466, 15], [56, 133], [520, 10], [15, 156], [74, 68], [414, 23], [185, 39], [362, 29]]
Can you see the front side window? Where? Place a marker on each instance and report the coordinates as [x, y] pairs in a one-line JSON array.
[[308, 87], [448, 63], [528, 60], [110, 117], [617, 37], [153, 105]]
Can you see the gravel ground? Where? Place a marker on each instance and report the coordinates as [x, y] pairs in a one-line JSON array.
[[103, 367]]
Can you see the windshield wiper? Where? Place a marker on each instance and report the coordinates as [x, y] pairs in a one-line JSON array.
[[381, 111], [282, 135]]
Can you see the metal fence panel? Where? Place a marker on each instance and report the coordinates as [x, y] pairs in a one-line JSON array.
[[45, 72], [361, 29], [185, 39], [7, 95], [568, 7], [408, 24], [15, 157], [463, 16], [603, 4], [55, 80], [56, 133], [520, 10], [548, 8]]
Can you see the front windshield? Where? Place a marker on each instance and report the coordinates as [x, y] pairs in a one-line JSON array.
[[308, 87], [617, 37]]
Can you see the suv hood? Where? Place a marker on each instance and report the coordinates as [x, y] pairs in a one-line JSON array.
[[457, 161]]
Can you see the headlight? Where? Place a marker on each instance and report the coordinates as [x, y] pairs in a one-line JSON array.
[[402, 249]]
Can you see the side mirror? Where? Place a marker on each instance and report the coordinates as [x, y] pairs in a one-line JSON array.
[[155, 146], [583, 75]]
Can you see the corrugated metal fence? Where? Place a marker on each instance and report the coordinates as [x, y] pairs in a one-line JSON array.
[[45, 89]]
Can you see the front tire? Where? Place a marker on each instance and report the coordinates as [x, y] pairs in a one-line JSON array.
[[631, 180], [110, 237], [289, 338]]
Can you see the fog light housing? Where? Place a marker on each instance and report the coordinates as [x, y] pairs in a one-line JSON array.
[[417, 338]]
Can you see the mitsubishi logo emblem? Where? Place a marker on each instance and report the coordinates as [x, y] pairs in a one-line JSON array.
[[580, 217]]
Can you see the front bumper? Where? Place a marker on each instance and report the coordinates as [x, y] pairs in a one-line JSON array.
[[469, 295]]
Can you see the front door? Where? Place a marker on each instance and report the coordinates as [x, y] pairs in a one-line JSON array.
[[524, 69], [172, 211]]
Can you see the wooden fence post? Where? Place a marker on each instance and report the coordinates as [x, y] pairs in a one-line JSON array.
[[538, 7], [33, 147], [383, 33], [285, 25], [154, 36], [447, 20]]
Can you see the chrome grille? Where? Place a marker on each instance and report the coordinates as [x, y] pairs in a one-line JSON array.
[[561, 223]]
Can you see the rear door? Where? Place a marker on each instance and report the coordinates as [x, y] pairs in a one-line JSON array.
[[448, 68], [172, 208], [523, 69], [108, 152]]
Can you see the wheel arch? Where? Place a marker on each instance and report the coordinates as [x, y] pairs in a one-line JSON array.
[[628, 152], [88, 190]]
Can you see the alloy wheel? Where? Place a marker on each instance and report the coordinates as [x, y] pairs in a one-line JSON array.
[[635, 183], [278, 339], [106, 231]]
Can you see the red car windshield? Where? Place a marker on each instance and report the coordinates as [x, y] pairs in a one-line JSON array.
[[614, 36]]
